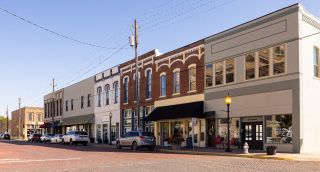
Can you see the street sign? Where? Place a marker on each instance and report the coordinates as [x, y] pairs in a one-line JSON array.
[[194, 121]]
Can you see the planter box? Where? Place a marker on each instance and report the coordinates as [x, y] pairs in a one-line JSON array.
[[176, 147], [166, 143]]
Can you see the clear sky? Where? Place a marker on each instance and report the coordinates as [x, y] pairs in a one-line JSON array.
[[31, 56]]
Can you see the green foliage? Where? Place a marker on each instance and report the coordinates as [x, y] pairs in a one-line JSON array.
[[3, 119]]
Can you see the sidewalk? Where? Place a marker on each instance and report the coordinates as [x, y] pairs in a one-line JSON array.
[[239, 153]]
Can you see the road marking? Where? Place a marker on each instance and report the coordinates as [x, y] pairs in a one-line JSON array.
[[40, 160], [7, 159]]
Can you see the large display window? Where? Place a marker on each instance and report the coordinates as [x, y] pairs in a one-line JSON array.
[[223, 128], [177, 129], [279, 129]]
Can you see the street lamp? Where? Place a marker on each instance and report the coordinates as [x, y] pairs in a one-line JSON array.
[[110, 115], [228, 101]]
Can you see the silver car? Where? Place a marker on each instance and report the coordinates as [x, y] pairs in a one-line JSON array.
[[46, 137], [137, 139], [56, 139]]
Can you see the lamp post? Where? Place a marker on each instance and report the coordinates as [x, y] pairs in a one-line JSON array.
[[110, 115], [228, 102]]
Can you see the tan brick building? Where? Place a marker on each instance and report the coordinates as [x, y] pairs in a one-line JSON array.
[[30, 121]]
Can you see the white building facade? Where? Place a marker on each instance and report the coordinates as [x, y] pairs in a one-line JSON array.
[[107, 103], [269, 67]]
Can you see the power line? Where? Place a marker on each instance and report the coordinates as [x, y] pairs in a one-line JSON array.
[[157, 7], [56, 32], [182, 19]]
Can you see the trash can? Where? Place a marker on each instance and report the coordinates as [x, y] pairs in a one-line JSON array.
[[189, 143], [271, 150]]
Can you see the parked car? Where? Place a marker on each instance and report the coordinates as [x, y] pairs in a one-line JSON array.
[[34, 137], [56, 139], [75, 137], [6, 136], [1, 136], [46, 137], [137, 139]]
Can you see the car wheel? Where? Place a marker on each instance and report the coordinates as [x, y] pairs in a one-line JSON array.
[[151, 149], [71, 143], [63, 142], [85, 144], [118, 145], [76, 144], [134, 146]]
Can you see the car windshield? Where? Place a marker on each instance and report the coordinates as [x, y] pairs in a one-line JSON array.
[[37, 135], [81, 133], [50, 135], [149, 134]]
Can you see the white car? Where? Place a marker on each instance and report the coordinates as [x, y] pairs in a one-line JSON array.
[[46, 137], [56, 139], [74, 137]]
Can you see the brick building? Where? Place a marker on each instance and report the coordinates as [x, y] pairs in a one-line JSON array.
[[127, 101], [30, 120], [178, 82]]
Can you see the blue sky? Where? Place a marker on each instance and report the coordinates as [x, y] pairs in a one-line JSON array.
[[31, 57]]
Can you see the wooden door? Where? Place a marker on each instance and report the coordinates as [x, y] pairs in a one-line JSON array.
[[252, 134], [211, 125]]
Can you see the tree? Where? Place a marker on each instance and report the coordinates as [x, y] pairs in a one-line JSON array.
[[3, 119]]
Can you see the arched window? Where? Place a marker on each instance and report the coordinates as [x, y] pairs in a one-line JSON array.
[[192, 78], [116, 92], [39, 117], [107, 90], [126, 90], [316, 61], [163, 84], [99, 94], [148, 90]]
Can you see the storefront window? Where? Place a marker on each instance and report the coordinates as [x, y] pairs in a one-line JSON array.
[[105, 132], [223, 128], [202, 130], [98, 126], [279, 129], [176, 129]]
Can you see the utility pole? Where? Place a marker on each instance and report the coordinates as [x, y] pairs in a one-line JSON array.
[[137, 76], [52, 109], [7, 121], [19, 118]]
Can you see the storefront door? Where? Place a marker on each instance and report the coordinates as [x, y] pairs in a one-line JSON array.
[[165, 132], [195, 137], [211, 129], [252, 134]]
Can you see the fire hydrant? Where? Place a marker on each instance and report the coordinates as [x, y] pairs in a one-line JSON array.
[[246, 148]]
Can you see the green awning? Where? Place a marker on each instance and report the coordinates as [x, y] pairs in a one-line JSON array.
[[83, 119]]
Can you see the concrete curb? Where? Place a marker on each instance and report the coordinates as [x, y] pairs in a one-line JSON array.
[[226, 154]]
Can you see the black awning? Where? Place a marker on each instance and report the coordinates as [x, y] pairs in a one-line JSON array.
[[187, 110]]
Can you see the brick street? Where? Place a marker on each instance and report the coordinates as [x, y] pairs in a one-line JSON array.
[[25, 156]]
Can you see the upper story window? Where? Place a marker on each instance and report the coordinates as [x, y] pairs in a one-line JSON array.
[[176, 82], [107, 90], [39, 117], [163, 85], [209, 75], [219, 73], [264, 63], [82, 101], [192, 78], [278, 60], [230, 70], [316, 61], [89, 100], [57, 104], [135, 86], [45, 110], [30, 116], [125, 90], [72, 104], [116, 90], [99, 96], [148, 86], [127, 113], [250, 66], [61, 107], [67, 105]]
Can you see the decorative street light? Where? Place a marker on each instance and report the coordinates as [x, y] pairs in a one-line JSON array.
[[228, 102], [110, 115]]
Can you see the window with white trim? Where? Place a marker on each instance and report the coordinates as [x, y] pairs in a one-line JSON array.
[[30, 116], [209, 75], [316, 61], [163, 85], [278, 60], [264, 63], [176, 82], [148, 86], [192, 78], [99, 96], [250, 66], [107, 90], [39, 117], [125, 90], [230, 70], [116, 92]]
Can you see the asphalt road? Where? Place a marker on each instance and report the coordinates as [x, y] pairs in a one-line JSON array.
[[25, 156]]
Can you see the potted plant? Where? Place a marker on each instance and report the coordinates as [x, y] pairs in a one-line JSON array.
[[106, 141], [271, 150], [99, 139], [165, 140], [236, 144], [176, 143]]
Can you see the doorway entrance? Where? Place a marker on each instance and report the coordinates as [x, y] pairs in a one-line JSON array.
[[252, 134], [211, 131]]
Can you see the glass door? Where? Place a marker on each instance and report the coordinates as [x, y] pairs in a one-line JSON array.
[[196, 130], [252, 134], [165, 130]]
